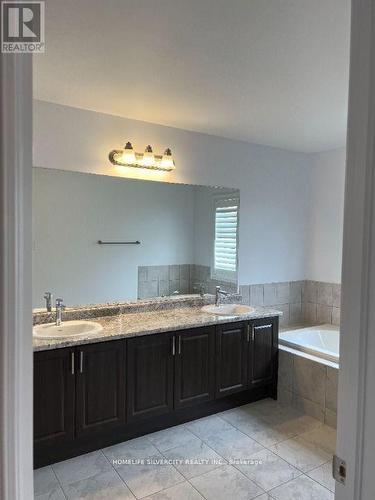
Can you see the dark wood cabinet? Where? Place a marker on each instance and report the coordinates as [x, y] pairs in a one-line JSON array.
[[96, 395], [194, 367], [231, 358], [150, 375], [100, 389], [54, 383], [263, 351]]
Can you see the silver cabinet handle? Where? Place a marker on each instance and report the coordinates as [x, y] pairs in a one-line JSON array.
[[173, 345], [72, 363], [179, 344], [252, 333], [263, 327], [81, 362]]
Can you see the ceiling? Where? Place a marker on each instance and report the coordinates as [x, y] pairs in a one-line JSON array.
[[272, 72]]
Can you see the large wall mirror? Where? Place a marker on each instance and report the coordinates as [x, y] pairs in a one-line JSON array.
[[188, 238]]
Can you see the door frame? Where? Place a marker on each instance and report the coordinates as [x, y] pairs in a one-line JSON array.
[[357, 353], [16, 354]]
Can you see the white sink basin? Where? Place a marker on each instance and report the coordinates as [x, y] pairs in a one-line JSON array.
[[228, 309], [68, 329]]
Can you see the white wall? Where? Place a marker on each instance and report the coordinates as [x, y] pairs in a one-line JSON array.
[[72, 211], [274, 184], [326, 216]]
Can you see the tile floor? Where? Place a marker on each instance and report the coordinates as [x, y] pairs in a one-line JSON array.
[[262, 450]]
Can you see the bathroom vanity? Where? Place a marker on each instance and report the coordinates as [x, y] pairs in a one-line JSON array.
[[147, 371], [110, 372]]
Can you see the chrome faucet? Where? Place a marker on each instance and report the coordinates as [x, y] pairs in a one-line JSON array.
[[48, 298], [59, 309], [218, 294]]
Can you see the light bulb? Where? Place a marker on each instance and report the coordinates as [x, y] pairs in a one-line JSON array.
[[148, 159], [167, 161], [128, 155]]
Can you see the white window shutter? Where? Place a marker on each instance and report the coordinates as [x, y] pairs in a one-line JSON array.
[[226, 238]]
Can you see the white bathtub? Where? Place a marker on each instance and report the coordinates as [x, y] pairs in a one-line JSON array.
[[321, 341]]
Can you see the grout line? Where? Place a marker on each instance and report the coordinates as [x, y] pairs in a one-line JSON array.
[[192, 485], [58, 480], [301, 472], [214, 468], [284, 482], [117, 473], [298, 477], [203, 440], [307, 474], [261, 444], [128, 486], [317, 482]]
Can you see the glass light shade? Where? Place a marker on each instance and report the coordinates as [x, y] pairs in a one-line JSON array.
[[148, 157], [128, 155], [167, 161]]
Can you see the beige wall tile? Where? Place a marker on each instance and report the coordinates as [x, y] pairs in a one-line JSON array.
[[296, 288], [270, 294], [331, 389], [174, 285], [148, 289], [325, 293], [336, 293], [336, 313], [309, 313], [153, 273], [185, 272], [142, 273], [309, 380], [309, 407], [283, 292], [296, 314], [311, 292], [174, 273], [286, 370], [323, 314], [284, 319], [256, 295], [163, 273], [184, 286], [330, 418], [284, 396], [245, 292], [163, 288]]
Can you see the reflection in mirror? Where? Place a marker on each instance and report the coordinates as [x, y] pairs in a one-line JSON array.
[[188, 238]]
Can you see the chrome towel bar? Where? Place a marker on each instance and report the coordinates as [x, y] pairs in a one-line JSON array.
[[100, 242]]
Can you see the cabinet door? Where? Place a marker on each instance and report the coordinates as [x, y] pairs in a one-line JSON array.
[[150, 375], [194, 367], [231, 359], [263, 351], [100, 386], [54, 392]]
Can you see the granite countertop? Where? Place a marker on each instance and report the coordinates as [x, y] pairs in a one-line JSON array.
[[134, 324]]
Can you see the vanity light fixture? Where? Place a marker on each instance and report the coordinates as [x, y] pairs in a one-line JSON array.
[[128, 155], [128, 158]]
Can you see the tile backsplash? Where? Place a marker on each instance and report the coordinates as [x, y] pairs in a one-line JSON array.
[[322, 302], [306, 301], [160, 281]]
